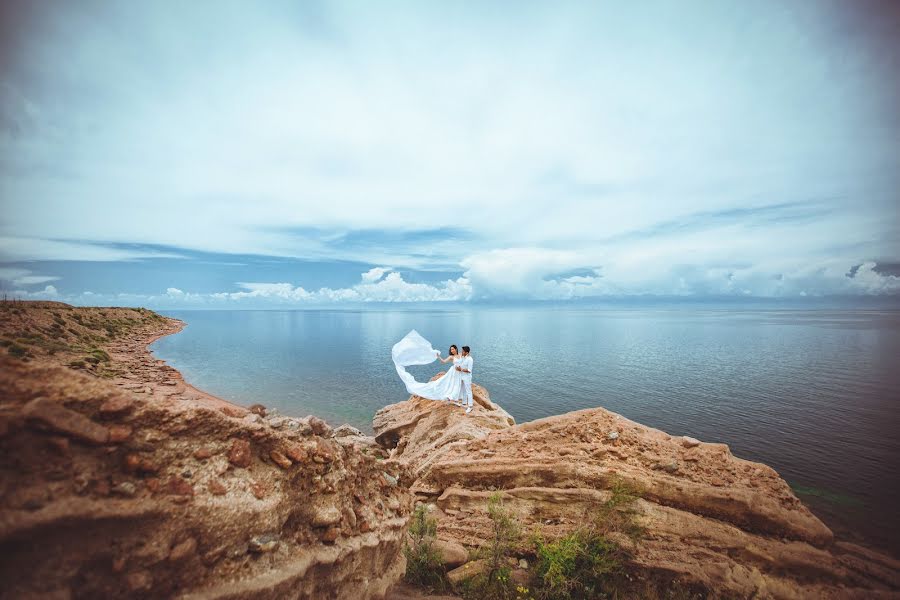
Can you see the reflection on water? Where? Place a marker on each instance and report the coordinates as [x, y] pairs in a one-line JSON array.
[[812, 393]]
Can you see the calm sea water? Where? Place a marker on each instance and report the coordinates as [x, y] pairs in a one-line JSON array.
[[813, 393]]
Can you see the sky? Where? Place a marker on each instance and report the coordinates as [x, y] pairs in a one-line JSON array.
[[279, 154]]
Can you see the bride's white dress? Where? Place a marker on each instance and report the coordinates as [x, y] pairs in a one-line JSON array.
[[413, 349]]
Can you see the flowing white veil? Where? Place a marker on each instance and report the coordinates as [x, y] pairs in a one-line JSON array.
[[413, 349]]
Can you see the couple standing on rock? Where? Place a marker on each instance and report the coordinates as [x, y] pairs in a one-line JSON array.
[[462, 364], [455, 385]]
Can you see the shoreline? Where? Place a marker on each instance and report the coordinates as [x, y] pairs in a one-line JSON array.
[[172, 384]]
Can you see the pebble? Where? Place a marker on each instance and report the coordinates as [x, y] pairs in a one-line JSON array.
[[216, 488], [276, 422], [203, 453], [280, 459], [126, 488], [179, 487], [119, 433], [391, 480], [346, 430], [296, 453], [240, 455], [263, 543], [612, 435], [252, 418], [689, 442]]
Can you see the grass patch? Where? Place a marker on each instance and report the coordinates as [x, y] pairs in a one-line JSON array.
[[494, 582], [17, 351], [589, 562], [423, 562]]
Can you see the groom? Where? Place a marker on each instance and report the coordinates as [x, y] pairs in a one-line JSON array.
[[465, 367]]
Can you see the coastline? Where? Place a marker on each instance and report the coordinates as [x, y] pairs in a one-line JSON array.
[[166, 381]]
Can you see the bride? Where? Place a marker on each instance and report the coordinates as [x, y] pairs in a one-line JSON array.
[[416, 350]]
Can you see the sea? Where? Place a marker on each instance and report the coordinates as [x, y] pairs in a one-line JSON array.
[[814, 393]]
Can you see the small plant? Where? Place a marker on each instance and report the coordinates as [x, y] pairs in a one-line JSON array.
[[589, 562], [99, 354], [17, 350], [423, 562], [494, 582]]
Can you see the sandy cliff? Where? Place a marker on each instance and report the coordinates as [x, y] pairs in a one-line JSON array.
[[119, 480], [711, 520]]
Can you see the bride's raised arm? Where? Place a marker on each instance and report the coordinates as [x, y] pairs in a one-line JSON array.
[[444, 360]]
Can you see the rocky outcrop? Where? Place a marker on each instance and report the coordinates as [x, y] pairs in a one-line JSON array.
[[711, 520], [117, 481]]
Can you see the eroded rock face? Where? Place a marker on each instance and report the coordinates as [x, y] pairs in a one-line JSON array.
[[118, 488], [711, 519]]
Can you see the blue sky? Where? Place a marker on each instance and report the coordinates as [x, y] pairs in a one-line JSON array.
[[233, 154]]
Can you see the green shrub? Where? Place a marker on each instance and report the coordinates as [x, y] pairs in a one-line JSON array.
[[77, 364], [17, 350], [99, 354], [494, 582], [588, 562], [423, 562]]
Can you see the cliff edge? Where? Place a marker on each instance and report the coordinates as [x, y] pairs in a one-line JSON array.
[[711, 521], [118, 480]]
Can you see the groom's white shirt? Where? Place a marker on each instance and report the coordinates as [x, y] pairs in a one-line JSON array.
[[466, 364]]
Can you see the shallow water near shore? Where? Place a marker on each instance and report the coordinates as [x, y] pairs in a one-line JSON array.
[[812, 393]]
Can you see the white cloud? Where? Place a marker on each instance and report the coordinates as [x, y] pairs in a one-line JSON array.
[[391, 288], [20, 277], [374, 274], [559, 138]]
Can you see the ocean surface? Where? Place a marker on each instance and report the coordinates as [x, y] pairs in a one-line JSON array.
[[813, 393]]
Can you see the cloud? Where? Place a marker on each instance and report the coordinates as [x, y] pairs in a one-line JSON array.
[[391, 288], [374, 274], [20, 277], [521, 149]]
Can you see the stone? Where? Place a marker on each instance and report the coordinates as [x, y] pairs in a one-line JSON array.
[[276, 422], [183, 550], [612, 435], [318, 426], [259, 489], [135, 463], [216, 488], [452, 554], [116, 406], [176, 486], [258, 409], [689, 442], [346, 430], [139, 581], [119, 433], [263, 543], [126, 488], [203, 453], [240, 454], [252, 419], [52, 415], [296, 453], [280, 459], [523, 564], [324, 515], [331, 534], [390, 479], [467, 571]]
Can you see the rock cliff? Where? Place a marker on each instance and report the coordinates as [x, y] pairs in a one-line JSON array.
[[711, 520], [117, 480]]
